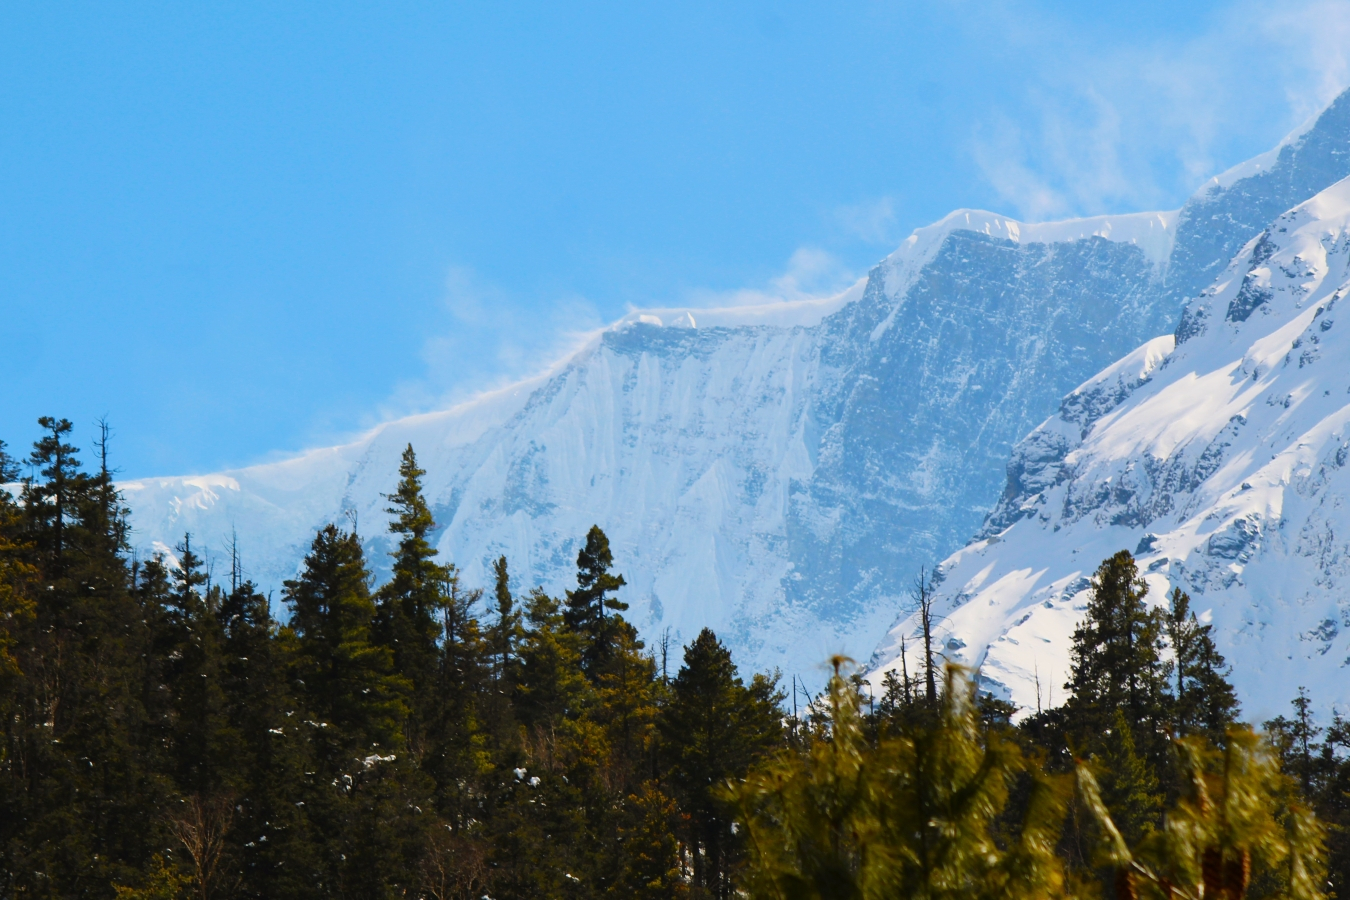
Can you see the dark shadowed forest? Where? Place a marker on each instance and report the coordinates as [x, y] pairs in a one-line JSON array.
[[170, 732]]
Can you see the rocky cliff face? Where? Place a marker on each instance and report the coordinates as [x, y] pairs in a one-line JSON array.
[[778, 473], [1218, 457]]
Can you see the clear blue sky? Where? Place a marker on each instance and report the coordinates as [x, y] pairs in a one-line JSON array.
[[244, 229]]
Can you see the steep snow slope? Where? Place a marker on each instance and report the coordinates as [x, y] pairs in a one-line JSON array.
[[750, 465], [776, 472], [1218, 458]]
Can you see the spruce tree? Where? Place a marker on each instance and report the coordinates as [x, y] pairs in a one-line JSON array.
[[272, 753], [457, 752], [1129, 784], [713, 729], [344, 676], [551, 684], [587, 605], [410, 604], [50, 502], [190, 645], [1118, 686], [1205, 701], [81, 799], [1117, 651], [649, 865], [504, 635], [365, 792]]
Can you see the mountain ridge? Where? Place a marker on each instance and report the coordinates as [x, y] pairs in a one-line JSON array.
[[1218, 456], [775, 472]]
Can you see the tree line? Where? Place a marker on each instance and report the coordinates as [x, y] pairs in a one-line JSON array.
[[166, 735]]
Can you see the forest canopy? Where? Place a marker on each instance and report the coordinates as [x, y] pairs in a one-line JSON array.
[[171, 734]]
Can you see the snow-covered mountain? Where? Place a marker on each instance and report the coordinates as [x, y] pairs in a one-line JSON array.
[[1220, 457], [778, 472]]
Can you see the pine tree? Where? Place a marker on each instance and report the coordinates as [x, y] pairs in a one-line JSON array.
[[649, 866], [585, 612], [1236, 827], [1205, 701], [410, 604], [80, 798], [505, 633], [713, 729], [364, 796], [551, 685]]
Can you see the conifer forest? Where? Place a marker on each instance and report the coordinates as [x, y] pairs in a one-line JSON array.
[[171, 732]]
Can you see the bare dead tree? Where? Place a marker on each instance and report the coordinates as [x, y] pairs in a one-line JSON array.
[[201, 826], [922, 593], [453, 868], [236, 570]]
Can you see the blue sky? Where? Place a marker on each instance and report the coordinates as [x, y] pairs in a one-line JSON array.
[[243, 229]]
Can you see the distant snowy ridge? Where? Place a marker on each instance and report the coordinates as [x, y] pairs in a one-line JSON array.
[[694, 436], [1222, 462], [777, 472]]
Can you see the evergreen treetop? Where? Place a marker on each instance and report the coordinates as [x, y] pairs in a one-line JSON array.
[[346, 677], [1205, 701], [1117, 657], [586, 606]]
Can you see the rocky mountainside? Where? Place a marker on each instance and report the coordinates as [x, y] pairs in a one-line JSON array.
[[1220, 458], [778, 473]]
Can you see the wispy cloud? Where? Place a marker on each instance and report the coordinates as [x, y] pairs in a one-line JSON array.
[[1099, 128], [810, 272], [494, 338], [491, 338], [1115, 128], [873, 221]]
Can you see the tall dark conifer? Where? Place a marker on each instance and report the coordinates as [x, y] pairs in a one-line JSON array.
[[1117, 659], [504, 635], [364, 792], [191, 647], [1120, 709], [81, 800], [588, 606], [50, 499], [411, 603], [713, 729], [345, 677], [1205, 700]]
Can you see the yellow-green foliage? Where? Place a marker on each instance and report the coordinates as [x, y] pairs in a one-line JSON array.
[[162, 882], [912, 816], [1238, 829], [917, 815]]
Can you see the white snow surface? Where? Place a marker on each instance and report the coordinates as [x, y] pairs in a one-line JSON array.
[[1151, 231], [1261, 163], [1222, 462], [656, 447], [777, 471]]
